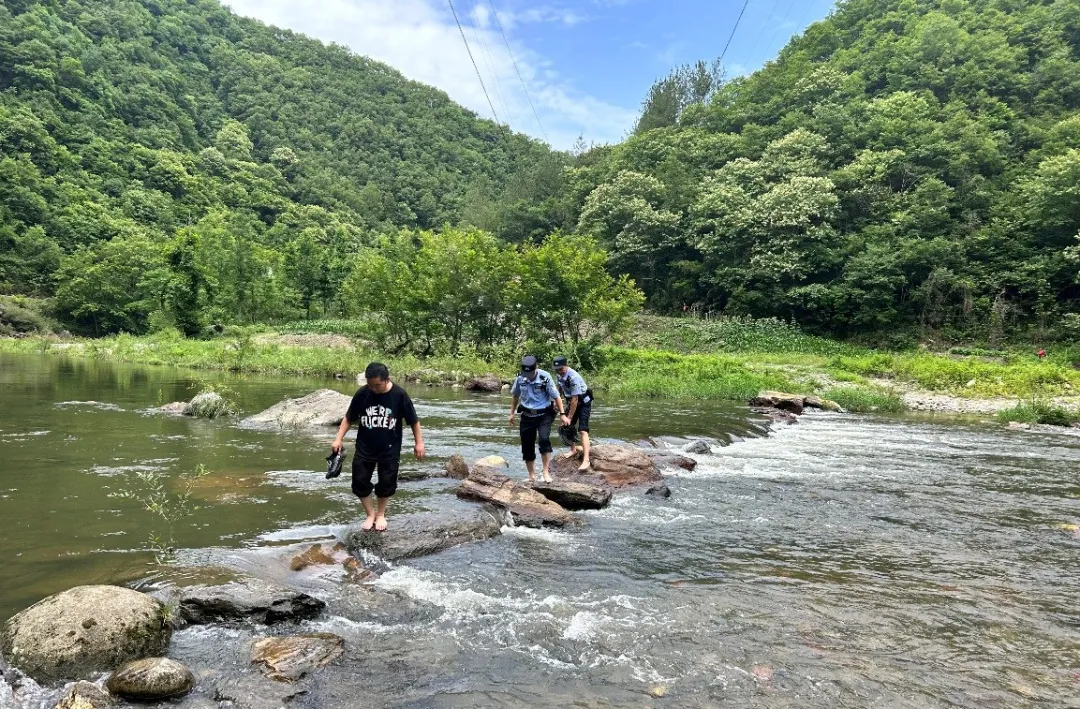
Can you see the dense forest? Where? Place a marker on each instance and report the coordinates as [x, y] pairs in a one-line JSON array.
[[903, 168]]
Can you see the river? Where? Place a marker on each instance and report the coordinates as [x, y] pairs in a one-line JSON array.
[[847, 561]]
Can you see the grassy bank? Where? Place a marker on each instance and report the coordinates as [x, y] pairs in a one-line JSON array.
[[663, 358]]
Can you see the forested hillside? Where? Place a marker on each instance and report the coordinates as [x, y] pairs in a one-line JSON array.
[[906, 166], [168, 159]]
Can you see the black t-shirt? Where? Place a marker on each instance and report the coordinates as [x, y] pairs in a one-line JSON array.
[[380, 415]]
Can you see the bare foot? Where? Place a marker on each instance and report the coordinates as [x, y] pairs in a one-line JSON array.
[[584, 466], [368, 524], [380, 524], [568, 456], [547, 477]]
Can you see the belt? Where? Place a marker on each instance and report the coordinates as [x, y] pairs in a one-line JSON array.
[[535, 412]]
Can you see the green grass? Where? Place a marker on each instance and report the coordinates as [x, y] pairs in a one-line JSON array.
[[859, 399], [731, 335], [1036, 411]]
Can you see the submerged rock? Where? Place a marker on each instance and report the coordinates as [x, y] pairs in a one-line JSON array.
[[176, 408], [246, 600], [419, 535], [456, 467], [151, 679], [84, 630], [698, 447], [614, 465], [672, 460], [659, 491], [325, 407], [527, 507], [288, 659], [487, 383], [85, 695], [318, 555], [574, 495]]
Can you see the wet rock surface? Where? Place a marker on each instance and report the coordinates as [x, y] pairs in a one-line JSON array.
[[85, 695], [322, 408], [421, 534], [249, 600], [319, 555], [661, 491], [698, 447], [151, 679], [614, 465], [456, 467], [290, 658], [792, 403], [84, 630], [668, 459], [574, 495], [176, 408], [489, 383], [527, 507]]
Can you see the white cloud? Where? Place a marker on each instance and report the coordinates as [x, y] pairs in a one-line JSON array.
[[420, 39]]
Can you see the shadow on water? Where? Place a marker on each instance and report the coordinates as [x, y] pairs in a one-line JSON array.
[[842, 562]]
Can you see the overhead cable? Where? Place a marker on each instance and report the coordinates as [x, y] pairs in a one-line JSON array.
[[516, 69], [475, 68]]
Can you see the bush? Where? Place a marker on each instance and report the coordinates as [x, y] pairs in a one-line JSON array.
[[1036, 411], [17, 317], [209, 404], [866, 400]]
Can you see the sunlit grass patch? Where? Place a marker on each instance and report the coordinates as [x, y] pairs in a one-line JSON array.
[[1036, 411], [859, 399]]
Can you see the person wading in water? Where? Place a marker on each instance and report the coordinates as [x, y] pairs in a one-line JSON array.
[[534, 395], [379, 408], [579, 398]]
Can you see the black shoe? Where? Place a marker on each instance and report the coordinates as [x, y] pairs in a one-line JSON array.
[[334, 463]]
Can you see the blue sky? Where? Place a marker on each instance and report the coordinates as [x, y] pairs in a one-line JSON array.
[[587, 64]]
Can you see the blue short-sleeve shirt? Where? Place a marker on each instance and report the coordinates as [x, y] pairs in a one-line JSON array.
[[537, 393], [572, 384]]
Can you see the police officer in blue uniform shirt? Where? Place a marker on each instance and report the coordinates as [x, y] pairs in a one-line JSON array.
[[536, 399], [579, 398]]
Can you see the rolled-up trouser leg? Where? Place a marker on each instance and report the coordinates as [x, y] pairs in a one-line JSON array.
[[543, 432], [362, 471]]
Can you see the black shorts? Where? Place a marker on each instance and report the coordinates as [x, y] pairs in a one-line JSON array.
[[581, 417], [361, 477], [533, 428]]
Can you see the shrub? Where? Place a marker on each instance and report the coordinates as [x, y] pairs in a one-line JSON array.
[[1036, 411], [21, 315], [866, 399]]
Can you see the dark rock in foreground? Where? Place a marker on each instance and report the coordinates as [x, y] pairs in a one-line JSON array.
[[617, 466], [246, 600], [421, 534], [84, 630], [574, 495], [487, 383], [85, 695], [659, 491], [288, 659], [325, 407], [527, 507], [151, 679]]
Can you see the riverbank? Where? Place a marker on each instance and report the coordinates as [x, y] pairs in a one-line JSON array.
[[725, 360]]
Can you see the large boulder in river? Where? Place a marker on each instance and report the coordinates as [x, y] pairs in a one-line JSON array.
[[416, 535], [487, 383], [456, 467], [151, 679], [574, 495], [527, 507], [246, 600], [614, 465], [792, 403], [84, 630], [325, 407]]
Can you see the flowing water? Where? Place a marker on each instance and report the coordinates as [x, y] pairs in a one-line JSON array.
[[847, 561]]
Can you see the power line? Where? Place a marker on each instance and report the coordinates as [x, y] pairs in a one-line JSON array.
[[737, 21], [471, 59], [780, 27], [516, 69], [485, 51]]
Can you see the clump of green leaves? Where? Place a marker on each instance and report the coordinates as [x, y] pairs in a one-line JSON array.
[[1039, 411], [210, 403], [151, 489], [866, 399]]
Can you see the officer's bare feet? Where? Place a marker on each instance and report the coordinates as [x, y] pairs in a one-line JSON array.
[[368, 524], [585, 465], [380, 524], [547, 477]]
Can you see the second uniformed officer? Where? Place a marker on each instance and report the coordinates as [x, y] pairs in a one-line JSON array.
[[536, 399], [579, 398]]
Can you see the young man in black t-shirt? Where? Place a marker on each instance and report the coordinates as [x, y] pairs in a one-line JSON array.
[[379, 408]]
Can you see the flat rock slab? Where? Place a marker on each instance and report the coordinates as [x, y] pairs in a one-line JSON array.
[[151, 679], [84, 630], [246, 600], [527, 507], [574, 495], [320, 555], [614, 465], [410, 536], [290, 658], [668, 459], [792, 403], [323, 408]]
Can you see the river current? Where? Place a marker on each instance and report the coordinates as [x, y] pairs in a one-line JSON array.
[[846, 561]]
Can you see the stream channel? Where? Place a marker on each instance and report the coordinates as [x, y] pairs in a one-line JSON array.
[[846, 561]]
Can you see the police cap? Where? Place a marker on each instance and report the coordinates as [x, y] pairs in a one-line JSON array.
[[528, 363], [560, 361]]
